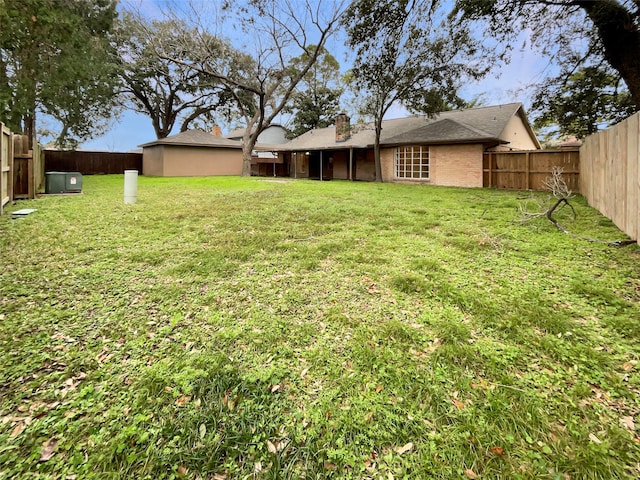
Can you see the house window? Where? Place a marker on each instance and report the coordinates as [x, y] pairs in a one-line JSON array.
[[412, 162]]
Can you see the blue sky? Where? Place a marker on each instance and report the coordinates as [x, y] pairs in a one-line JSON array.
[[503, 85]]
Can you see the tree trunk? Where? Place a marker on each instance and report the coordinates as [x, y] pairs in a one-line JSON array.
[[29, 128], [376, 150], [246, 159], [620, 38], [248, 144]]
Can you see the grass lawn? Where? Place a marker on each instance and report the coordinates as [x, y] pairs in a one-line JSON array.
[[229, 328]]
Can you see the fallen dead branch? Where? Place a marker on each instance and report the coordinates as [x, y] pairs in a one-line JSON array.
[[562, 194]]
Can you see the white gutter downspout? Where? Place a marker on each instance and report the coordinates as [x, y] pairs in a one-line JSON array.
[[321, 161]]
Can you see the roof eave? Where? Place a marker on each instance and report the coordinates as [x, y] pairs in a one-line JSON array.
[[186, 144], [466, 141]]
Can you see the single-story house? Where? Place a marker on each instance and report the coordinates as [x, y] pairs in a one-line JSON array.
[[194, 153], [443, 150]]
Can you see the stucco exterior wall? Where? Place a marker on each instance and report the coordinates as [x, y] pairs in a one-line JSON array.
[[449, 165], [152, 160], [182, 161], [517, 135]]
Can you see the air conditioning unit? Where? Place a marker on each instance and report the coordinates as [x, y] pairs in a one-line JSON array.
[[63, 182]]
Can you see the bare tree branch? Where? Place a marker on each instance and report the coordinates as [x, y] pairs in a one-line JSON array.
[[562, 193]]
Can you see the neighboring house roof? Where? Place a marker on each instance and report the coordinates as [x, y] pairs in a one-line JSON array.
[[195, 138], [477, 125], [238, 133]]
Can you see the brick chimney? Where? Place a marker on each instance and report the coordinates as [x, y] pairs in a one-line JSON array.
[[216, 131], [343, 127]]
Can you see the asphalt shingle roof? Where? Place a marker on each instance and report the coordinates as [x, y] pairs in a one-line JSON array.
[[484, 124], [197, 138]]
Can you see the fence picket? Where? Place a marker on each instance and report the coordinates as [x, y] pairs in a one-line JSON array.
[[612, 184], [527, 170]]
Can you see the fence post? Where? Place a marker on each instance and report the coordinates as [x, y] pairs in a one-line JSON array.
[[4, 167]]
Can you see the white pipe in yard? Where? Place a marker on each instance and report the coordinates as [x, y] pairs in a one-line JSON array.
[[130, 186]]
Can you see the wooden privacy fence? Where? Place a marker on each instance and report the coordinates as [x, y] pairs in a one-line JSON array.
[[527, 170], [28, 168], [6, 164], [21, 168], [92, 163], [610, 178]]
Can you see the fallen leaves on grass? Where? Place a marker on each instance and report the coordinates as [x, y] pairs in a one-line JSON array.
[[48, 449], [17, 430], [71, 384], [470, 473], [497, 450], [594, 439], [271, 447], [277, 446], [183, 400], [459, 405], [403, 449], [628, 423]]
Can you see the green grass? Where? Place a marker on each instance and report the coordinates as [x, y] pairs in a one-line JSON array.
[[246, 328]]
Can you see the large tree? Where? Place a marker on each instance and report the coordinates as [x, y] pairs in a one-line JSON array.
[[573, 33], [589, 99], [262, 80], [55, 59], [405, 55], [166, 91], [316, 101]]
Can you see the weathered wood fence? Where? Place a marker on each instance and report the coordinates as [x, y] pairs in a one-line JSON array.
[[28, 168], [21, 168], [92, 163], [527, 170], [610, 174], [6, 166]]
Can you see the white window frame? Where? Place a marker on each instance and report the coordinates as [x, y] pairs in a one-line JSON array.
[[411, 162]]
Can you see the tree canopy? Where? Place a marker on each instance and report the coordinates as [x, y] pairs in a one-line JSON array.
[[591, 98], [405, 55], [55, 59], [261, 82], [572, 33], [166, 91], [316, 101]]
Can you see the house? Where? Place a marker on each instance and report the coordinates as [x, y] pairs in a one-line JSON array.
[[265, 161], [443, 150], [193, 153]]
